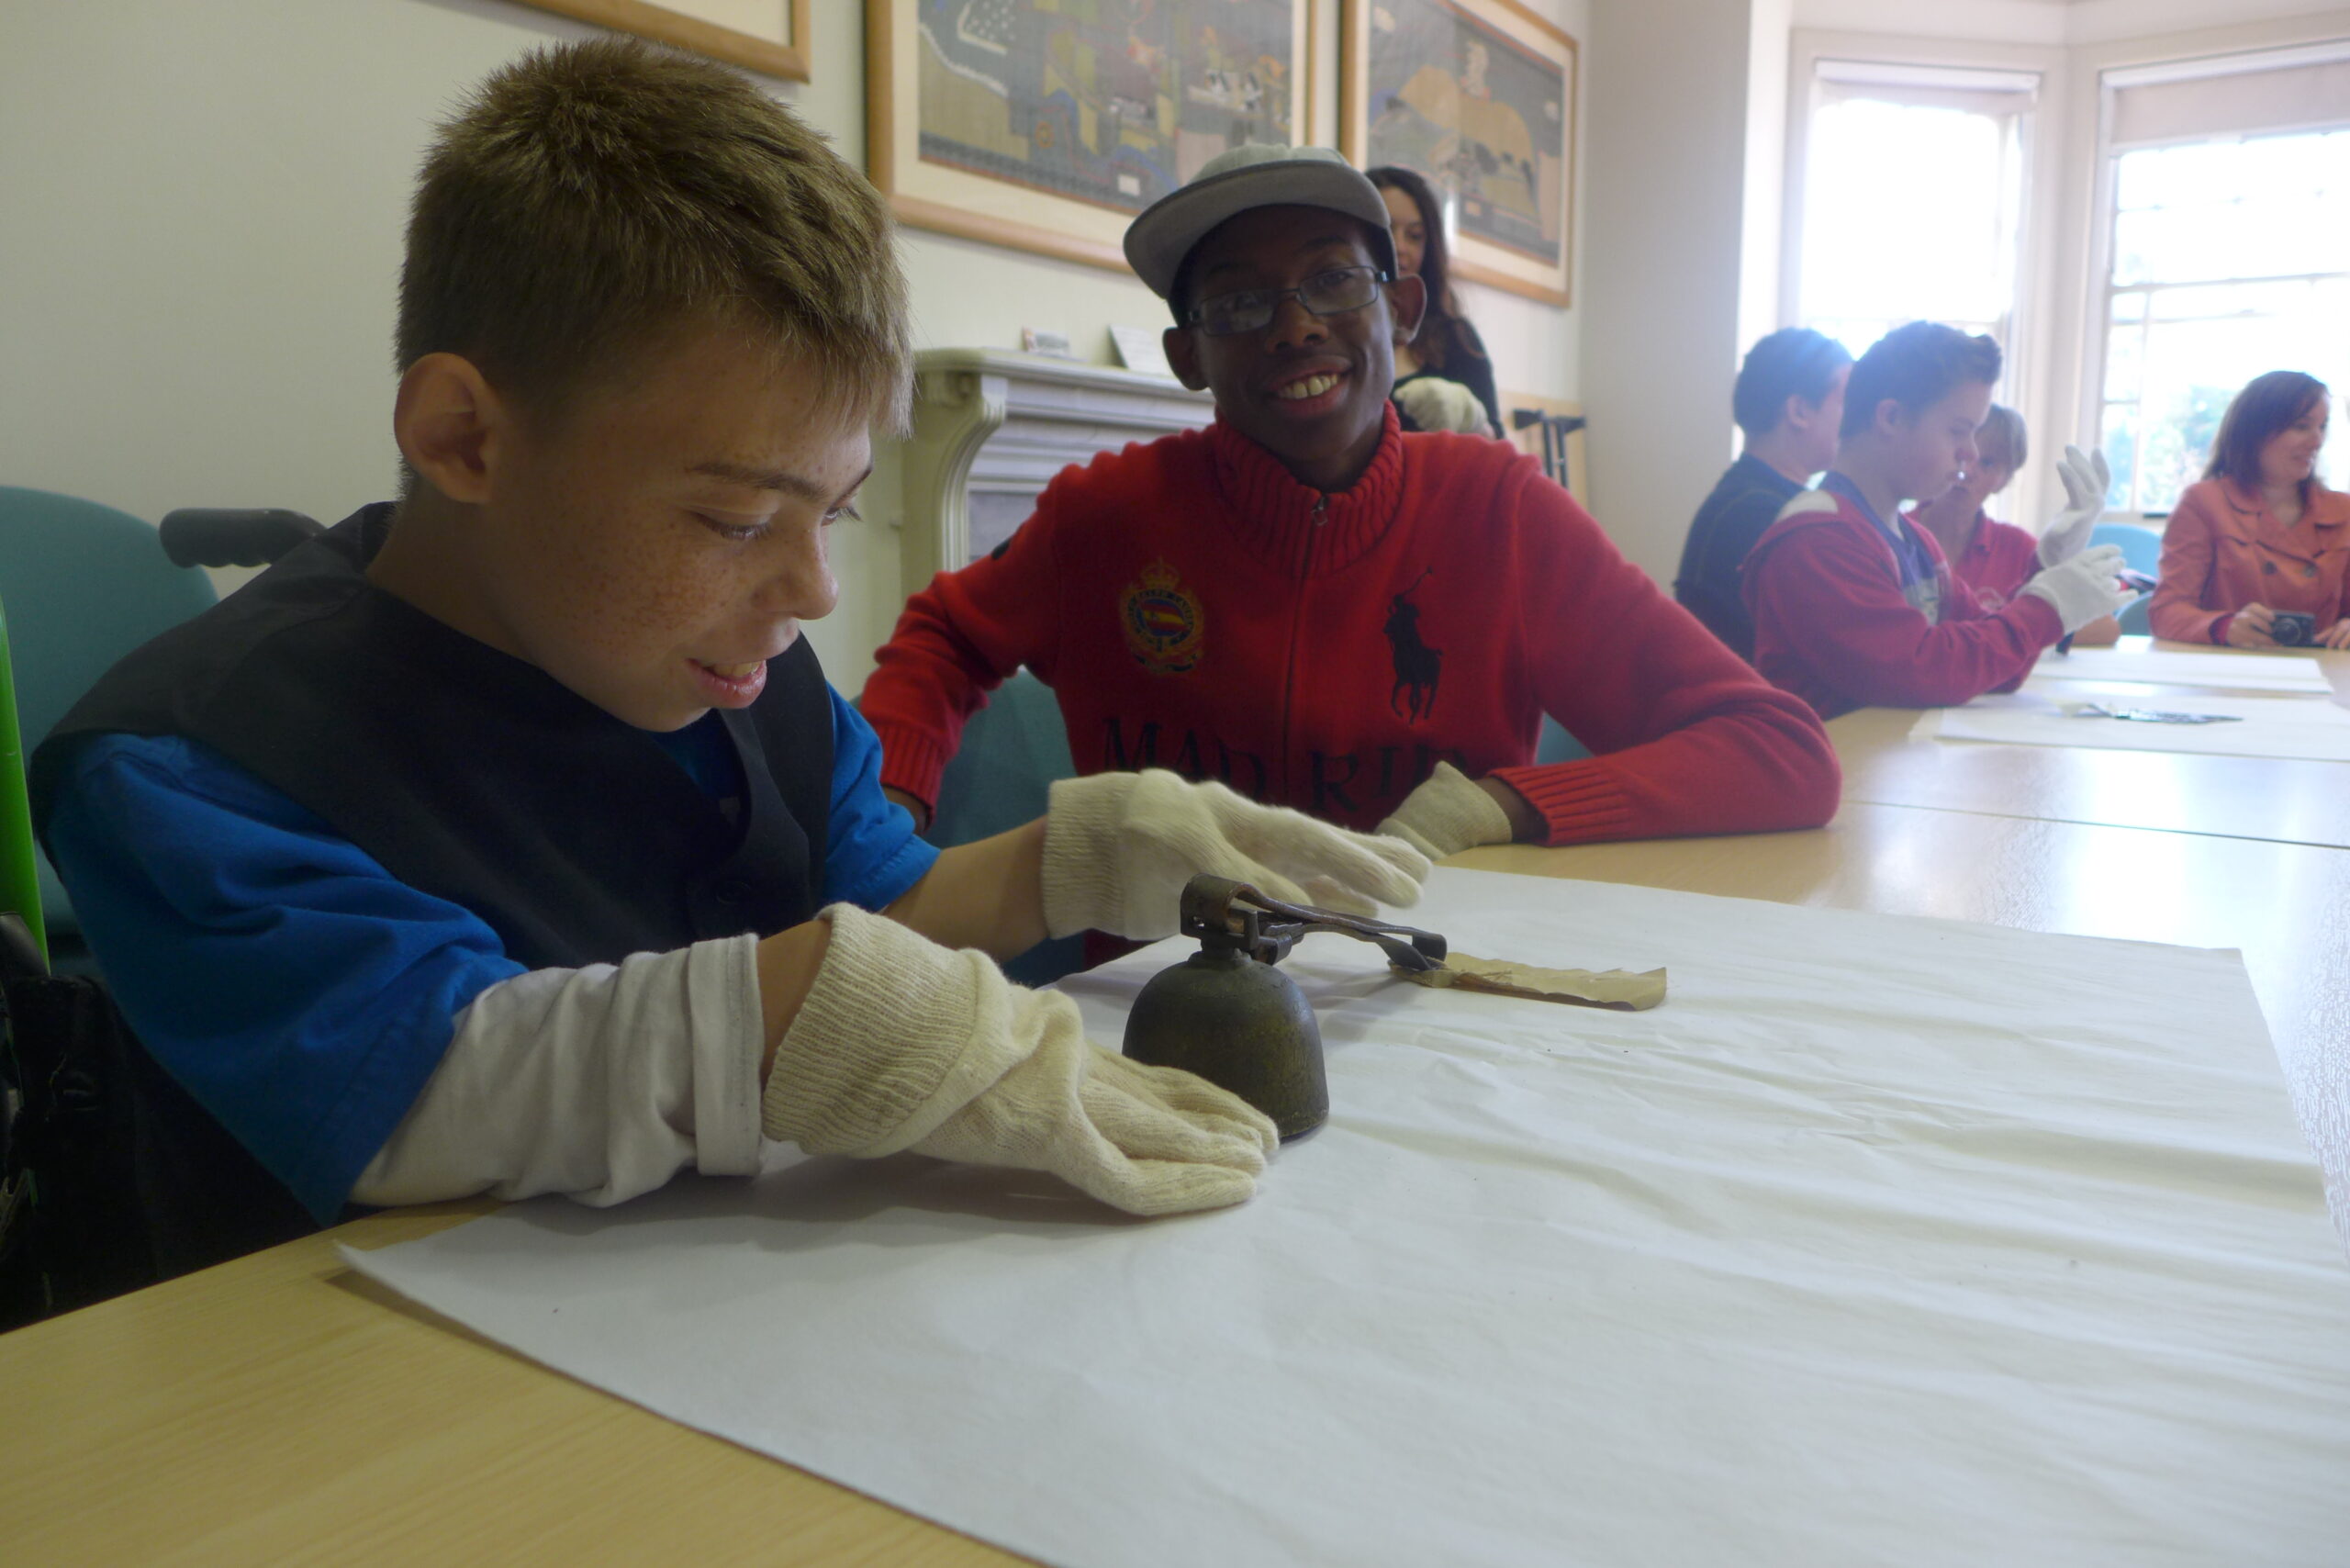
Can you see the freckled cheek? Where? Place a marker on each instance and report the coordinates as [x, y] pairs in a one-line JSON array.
[[636, 606]]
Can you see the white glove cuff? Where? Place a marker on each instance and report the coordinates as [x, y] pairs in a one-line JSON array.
[[1083, 887], [893, 1040], [1449, 813]]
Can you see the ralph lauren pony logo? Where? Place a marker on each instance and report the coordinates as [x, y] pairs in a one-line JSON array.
[[1418, 668], [1162, 621]]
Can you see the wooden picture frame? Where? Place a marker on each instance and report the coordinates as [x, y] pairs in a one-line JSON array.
[[1479, 96], [769, 36], [1060, 162]]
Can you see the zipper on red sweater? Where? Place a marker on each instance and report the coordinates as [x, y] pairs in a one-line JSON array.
[[1296, 627]]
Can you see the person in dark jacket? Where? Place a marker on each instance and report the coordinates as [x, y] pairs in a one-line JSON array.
[[1788, 403]]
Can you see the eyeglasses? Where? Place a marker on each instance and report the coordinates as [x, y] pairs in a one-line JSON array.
[[1331, 293]]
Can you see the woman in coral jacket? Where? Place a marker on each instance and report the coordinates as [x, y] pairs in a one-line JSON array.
[[2260, 534]]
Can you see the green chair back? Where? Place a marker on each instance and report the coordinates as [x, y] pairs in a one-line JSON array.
[[1002, 774], [1557, 745], [85, 585], [19, 879]]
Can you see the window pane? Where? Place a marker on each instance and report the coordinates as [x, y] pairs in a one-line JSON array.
[[2253, 237], [1881, 246], [2120, 441], [2213, 301], [2265, 207], [2124, 359]]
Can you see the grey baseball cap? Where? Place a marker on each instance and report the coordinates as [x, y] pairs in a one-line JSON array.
[[1231, 183]]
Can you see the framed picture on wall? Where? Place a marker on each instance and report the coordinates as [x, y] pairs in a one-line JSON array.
[[1478, 95], [1046, 125], [766, 36]]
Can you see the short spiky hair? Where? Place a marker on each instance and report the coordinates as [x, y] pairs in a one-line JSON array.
[[1916, 366], [591, 197]]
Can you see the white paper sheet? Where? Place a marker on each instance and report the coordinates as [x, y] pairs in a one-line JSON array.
[[2309, 728], [2164, 666], [1882, 1241]]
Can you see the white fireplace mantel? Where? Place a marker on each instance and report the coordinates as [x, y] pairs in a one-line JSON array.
[[993, 427]]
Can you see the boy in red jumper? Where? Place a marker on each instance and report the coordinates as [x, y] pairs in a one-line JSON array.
[[1310, 605], [1854, 604]]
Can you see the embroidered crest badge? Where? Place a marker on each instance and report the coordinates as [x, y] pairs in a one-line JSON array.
[[1161, 620]]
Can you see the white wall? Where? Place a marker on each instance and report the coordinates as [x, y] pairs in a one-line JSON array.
[[1667, 105], [200, 216], [1769, 33]]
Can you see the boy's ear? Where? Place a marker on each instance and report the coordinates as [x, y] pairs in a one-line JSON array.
[[1407, 297], [1798, 412], [1183, 357], [1891, 418], [451, 425]]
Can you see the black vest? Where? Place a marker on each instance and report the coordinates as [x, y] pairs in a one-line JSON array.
[[474, 775]]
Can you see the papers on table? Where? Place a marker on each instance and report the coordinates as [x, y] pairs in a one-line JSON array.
[[2305, 727], [2239, 671], [1881, 1240]]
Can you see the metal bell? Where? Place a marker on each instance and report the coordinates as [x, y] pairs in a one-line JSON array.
[[1239, 1024], [1228, 1014]]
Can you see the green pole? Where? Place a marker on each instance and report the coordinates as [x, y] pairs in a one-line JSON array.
[[19, 882]]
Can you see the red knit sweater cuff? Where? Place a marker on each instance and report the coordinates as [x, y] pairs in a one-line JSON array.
[[912, 761], [1579, 800]]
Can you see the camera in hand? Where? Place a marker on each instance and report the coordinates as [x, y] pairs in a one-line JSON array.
[[2290, 629]]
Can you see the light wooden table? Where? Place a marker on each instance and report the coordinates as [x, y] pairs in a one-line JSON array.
[[279, 1408], [2292, 802]]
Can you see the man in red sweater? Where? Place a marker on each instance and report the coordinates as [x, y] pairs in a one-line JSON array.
[[1322, 611], [1854, 604]]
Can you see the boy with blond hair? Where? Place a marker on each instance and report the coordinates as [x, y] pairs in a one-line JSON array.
[[509, 838]]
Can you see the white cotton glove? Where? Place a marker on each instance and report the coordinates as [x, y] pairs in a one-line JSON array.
[[1447, 813], [2086, 478], [905, 1045], [1436, 404], [2083, 588], [1119, 847]]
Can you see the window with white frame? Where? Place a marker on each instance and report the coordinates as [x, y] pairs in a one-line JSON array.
[[2227, 254], [1912, 198]]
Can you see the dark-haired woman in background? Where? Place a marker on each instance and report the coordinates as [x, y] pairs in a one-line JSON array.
[[1443, 379], [2260, 533]]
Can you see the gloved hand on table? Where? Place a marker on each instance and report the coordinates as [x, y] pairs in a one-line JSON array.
[[902, 1044], [2085, 478], [2083, 588], [1447, 813], [1119, 847]]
